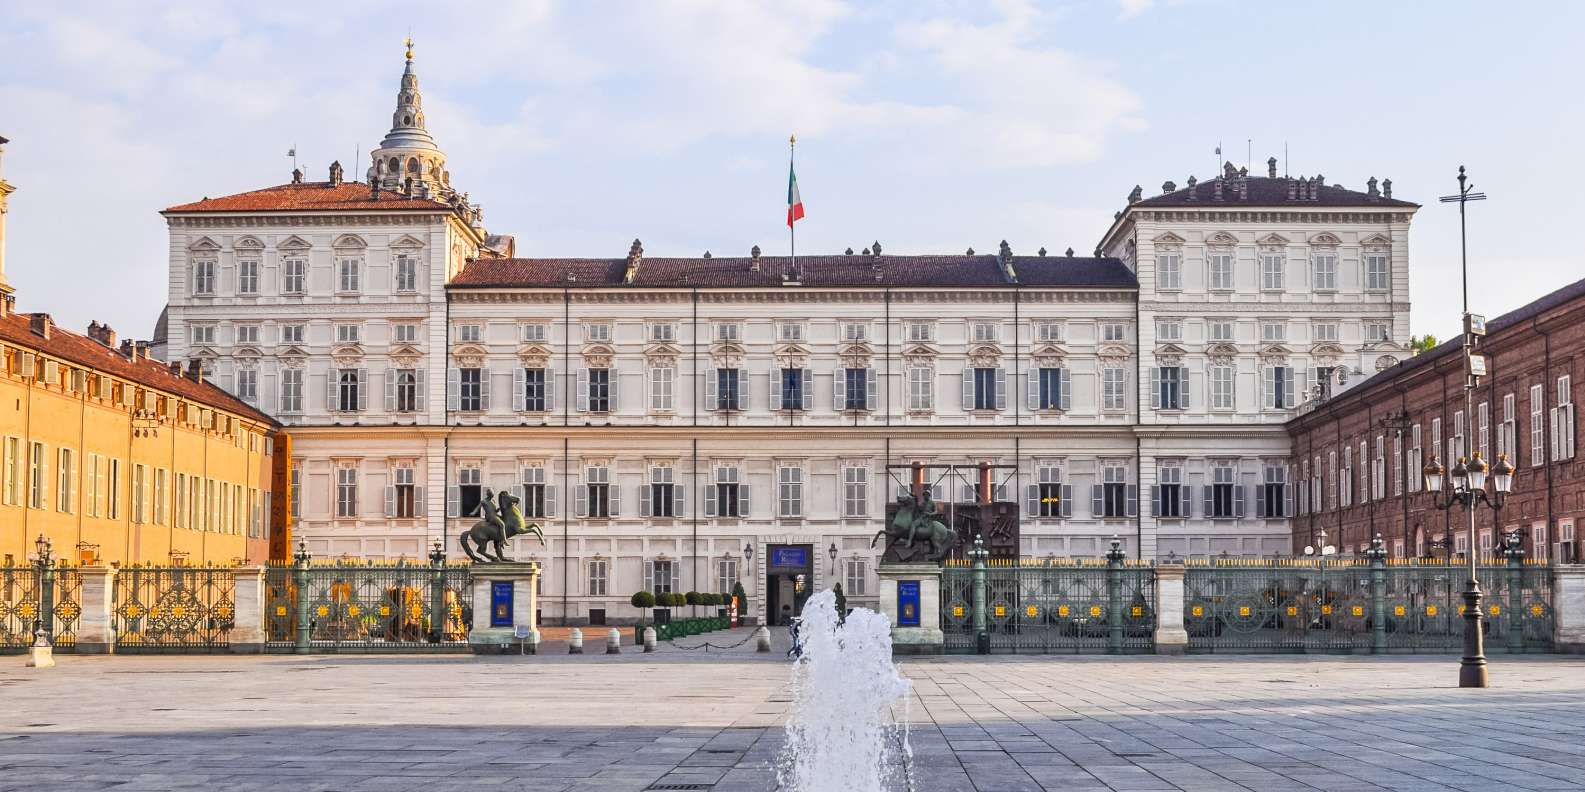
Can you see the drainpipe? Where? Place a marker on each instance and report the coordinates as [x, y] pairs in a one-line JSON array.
[[1546, 372], [566, 496], [1139, 409]]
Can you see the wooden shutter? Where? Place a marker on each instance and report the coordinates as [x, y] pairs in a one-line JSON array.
[[552, 502], [968, 388], [1238, 498], [613, 496], [870, 389], [1098, 500], [777, 378], [744, 507], [363, 389], [581, 508], [709, 499], [453, 389], [1155, 388], [839, 389], [484, 389], [1133, 500], [1183, 387], [808, 390], [519, 389], [1287, 384], [1186, 501], [1032, 500], [711, 390], [1155, 500], [643, 499], [390, 501], [1001, 389], [331, 376], [679, 498], [390, 390], [453, 501], [1032, 388], [1067, 500], [1260, 500], [583, 391]]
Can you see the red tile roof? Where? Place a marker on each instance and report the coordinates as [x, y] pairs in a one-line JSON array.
[[818, 271], [154, 374], [313, 197], [1264, 192]]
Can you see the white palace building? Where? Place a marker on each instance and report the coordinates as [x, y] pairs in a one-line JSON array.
[[685, 424]]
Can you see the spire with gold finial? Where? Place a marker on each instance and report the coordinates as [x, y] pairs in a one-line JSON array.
[[409, 43]]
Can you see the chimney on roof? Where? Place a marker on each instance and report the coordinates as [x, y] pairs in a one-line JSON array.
[[1271, 168], [41, 324], [374, 189], [297, 175], [1041, 252], [707, 254], [876, 247], [143, 349], [195, 370], [1004, 257], [1320, 181], [335, 173], [127, 350], [1193, 182], [1386, 188], [102, 333], [969, 252], [635, 257], [753, 255], [175, 367], [848, 252], [1168, 186], [1292, 188], [1370, 188], [866, 251], [1216, 189], [1135, 194], [1070, 252], [1242, 185]]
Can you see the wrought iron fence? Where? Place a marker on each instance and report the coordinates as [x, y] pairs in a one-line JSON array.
[[174, 608], [33, 597], [354, 607], [1358, 606], [1036, 606]]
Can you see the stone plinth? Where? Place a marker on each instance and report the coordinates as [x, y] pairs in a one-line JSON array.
[[96, 632], [1568, 608], [504, 599], [926, 637], [1171, 636], [248, 632]]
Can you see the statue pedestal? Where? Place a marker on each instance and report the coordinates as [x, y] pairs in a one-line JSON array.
[[504, 599], [911, 598]]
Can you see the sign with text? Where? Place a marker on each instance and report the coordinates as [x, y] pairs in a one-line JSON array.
[[789, 557], [907, 603], [500, 603]]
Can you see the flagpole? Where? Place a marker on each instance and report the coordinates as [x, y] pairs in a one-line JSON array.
[[792, 228]]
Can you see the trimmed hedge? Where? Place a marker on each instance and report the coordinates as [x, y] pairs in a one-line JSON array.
[[680, 628]]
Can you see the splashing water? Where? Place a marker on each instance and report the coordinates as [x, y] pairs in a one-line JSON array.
[[842, 735]]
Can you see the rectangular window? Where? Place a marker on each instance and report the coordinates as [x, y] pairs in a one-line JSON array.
[[790, 491], [1112, 331], [789, 332], [1375, 332], [291, 334], [469, 333], [1271, 275], [1172, 388], [534, 333], [294, 276], [599, 394], [1563, 421], [346, 492], [1169, 272], [662, 388], [349, 274], [1325, 265], [247, 276], [470, 390], [728, 493], [1169, 330], [1397, 464], [921, 388], [161, 494], [855, 577], [66, 488], [1219, 330], [662, 331], [1112, 395], [1114, 491], [1458, 450], [349, 333], [599, 577], [1273, 331], [1275, 493], [406, 273], [597, 332], [726, 576], [1416, 459], [1376, 271], [1436, 444], [1221, 387], [1048, 332], [536, 390], [291, 401], [404, 493], [203, 333], [855, 331], [1052, 393], [1222, 500], [919, 331], [204, 277], [727, 394], [985, 395], [295, 501], [855, 491], [597, 486], [1483, 430], [1506, 430], [113, 491], [662, 492], [13, 471], [1221, 270], [539, 498], [183, 506], [405, 390], [1169, 492], [247, 334], [856, 390], [248, 385], [984, 332], [1537, 427], [1279, 388], [1324, 331], [728, 332], [1048, 492], [1378, 472], [662, 578], [349, 390]]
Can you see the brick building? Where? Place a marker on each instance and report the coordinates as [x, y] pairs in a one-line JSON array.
[[1359, 454]]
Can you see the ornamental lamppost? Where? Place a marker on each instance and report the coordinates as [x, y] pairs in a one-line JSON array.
[[1469, 490]]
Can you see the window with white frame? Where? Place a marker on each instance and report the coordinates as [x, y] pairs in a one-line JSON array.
[[294, 502], [597, 332], [1221, 375], [724, 389], [470, 333], [403, 497], [406, 273], [1114, 496], [1170, 495], [1113, 331], [1275, 492], [662, 332], [347, 393], [1436, 444], [1112, 393], [291, 396], [1324, 331], [1458, 450], [349, 333], [533, 333], [404, 332], [294, 275], [292, 333], [1280, 389], [537, 393], [598, 496], [1563, 421], [662, 388], [793, 390], [1169, 330], [1416, 458], [728, 332], [1223, 498], [1376, 271], [1219, 330], [855, 576], [1483, 430], [247, 276], [1170, 389], [1048, 332], [1375, 332], [349, 274], [1220, 265], [248, 385], [661, 495], [539, 496], [920, 332], [1324, 268], [204, 277], [662, 576], [599, 577], [247, 334], [66, 487], [1397, 463], [1345, 490], [346, 492], [1051, 496], [855, 331], [789, 332], [1506, 429], [984, 332], [1050, 389], [1273, 331], [855, 491], [1378, 471], [203, 333], [790, 491], [473, 389], [921, 388], [726, 575], [1364, 473], [728, 496], [1169, 271], [1537, 427], [596, 387], [1271, 270]]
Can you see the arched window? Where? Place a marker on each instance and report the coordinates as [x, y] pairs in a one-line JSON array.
[[412, 165], [395, 165]]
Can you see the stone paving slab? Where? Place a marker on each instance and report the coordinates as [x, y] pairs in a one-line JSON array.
[[556, 723]]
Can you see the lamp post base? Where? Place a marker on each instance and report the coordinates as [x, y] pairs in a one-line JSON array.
[[1472, 666]]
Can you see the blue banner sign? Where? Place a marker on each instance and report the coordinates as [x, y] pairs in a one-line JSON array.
[[789, 557], [500, 603], [907, 603]]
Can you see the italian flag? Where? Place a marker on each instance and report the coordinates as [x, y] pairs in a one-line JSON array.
[[795, 204]]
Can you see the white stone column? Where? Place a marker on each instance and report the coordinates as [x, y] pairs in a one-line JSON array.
[[1171, 637], [95, 629], [1568, 608], [926, 638], [248, 633]]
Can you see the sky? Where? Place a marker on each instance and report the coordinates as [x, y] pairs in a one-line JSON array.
[[928, 126]]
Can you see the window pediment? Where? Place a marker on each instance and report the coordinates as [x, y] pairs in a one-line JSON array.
[[1274, 353], [294, 242], [469, 355], [247, 352], [349, 241], [204, 245], [1377, 239], [207, 353], [1222, 239], [1221, 350], [1050, 350], [248, 243], [852, 349], [405, 349], [1168, 238], [1272, 239], [347, 354], [1330, 349], [791, 348], [726, 348], [662, 349], [1171, 349], [919, 351], [1325, 239], [406, 357], [292, 352], [407, 241], [1114, 352]]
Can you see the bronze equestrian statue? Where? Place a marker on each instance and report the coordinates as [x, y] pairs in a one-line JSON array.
[[496, 525], [916, 520]]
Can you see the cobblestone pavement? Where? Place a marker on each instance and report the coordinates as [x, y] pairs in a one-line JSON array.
[[636, 722]]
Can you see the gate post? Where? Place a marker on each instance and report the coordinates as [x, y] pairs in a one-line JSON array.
[[305, 627], [1114, 597], [248, 633], [46, 616], [437, 593], [1515, 553], [95, 629], [1568, 608], [1377, 553], [982, 636], [1172, 638]]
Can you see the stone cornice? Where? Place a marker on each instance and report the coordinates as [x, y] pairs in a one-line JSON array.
[[1273, 216], [856, 295], [330, 220]]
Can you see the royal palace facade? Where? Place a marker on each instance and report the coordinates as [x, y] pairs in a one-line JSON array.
[[691, 423]]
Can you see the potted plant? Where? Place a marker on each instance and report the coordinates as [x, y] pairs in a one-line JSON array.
[[742, 600], [663, 608], [643, 600]]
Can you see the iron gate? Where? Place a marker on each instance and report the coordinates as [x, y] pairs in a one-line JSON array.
[[174, 608], [354, 607], [28, 599], [1332, 605], [1052, 606]]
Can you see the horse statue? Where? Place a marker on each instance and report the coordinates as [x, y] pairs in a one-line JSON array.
[[496, 525], [916, 520]]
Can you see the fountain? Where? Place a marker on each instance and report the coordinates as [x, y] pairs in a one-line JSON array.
[[842, 734]]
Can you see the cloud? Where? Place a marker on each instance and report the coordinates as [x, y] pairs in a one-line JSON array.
[[1133, 8]]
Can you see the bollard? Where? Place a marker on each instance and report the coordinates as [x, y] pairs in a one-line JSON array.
[[575, 641], [1378, 595], [649, 639], [613, 642], [41, 654], [762, 639]]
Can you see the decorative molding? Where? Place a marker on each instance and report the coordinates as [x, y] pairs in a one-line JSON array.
[[1168, 238], [1221, 352], [1325, 239], [248, 243], [1272, 240], [1222, 239], [469, 355]]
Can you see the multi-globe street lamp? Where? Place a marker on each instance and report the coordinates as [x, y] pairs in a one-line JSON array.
[[1469, 479]]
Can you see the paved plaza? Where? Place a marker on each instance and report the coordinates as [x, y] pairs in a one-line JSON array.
[[685, 721]]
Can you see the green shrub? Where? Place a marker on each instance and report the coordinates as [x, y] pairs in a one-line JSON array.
[[742, 599], [842, 603], [691, 598], [643, 599]]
